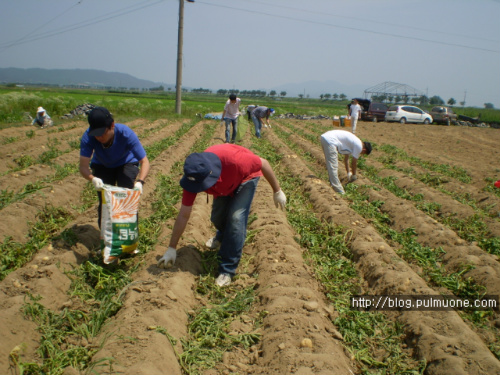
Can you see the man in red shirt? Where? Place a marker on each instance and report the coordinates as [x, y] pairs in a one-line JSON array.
[[230, 173]]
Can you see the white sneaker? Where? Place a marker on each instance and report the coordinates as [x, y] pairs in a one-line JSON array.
[[213, 243], [224, 279]]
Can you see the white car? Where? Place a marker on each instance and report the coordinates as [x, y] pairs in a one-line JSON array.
[[407, 113]]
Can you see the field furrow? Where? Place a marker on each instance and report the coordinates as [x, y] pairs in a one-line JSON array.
[[387, 274], [420, 220], [48, 268]]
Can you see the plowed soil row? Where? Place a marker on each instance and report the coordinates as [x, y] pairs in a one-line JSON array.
[[473, 191], [39, 276], [403, 215], [385, 273], [290, 303], [455, 204], [60, 193], [45, 276]]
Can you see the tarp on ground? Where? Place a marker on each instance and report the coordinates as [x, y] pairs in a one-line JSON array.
[[216, 116]]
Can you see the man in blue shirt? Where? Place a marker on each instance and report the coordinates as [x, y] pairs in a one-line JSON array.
[[111, 154]]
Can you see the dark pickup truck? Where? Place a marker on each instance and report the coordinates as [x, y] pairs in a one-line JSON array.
[[372, 111], [443, 115]]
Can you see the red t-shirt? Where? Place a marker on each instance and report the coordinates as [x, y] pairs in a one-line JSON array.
[[239, 164]]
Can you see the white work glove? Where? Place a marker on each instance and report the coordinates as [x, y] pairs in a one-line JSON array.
[[349, 175], [168, 259], [279, 199], [222, 123], [98, 184], [269, 126], [138, 186], [353, 178]]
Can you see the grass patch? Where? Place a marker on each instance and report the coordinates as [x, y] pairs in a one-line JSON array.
[[14, 255], [457, 173]]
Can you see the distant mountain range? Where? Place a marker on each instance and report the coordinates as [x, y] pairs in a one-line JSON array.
[[74, 77], [102, 79]]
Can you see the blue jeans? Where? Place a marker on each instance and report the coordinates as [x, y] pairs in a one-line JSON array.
[[258, 125], [228, 122], [230, 217]]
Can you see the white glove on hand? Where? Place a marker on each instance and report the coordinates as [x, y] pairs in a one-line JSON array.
[[168, 259], [98, 184], [269, 126], [138, 186], [349, 175], [353, 178], [222, 123], [279, 199]]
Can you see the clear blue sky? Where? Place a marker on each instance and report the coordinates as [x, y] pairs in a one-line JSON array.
[[441, 47]]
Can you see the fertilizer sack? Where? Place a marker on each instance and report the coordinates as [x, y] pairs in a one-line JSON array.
[[119, 222]]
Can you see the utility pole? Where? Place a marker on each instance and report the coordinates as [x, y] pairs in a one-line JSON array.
[[178, 81]]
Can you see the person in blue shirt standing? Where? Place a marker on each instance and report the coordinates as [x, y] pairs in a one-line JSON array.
[[111, 153]]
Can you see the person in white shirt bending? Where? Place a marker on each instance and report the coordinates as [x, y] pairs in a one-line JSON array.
[[335, 142]]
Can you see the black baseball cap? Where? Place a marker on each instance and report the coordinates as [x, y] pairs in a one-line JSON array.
[[201, 171], [99, 120]]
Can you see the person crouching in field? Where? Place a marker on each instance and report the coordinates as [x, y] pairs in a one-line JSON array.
[[42, 118], [335, 142], [259, 115], [230, 173], [111, 153]]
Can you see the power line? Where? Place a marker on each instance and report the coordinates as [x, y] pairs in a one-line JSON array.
[[42, 26], [350, 28], [143, 5], [373, 21], [81, 24]]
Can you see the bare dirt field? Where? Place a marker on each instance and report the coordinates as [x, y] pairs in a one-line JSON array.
[[422, 219]]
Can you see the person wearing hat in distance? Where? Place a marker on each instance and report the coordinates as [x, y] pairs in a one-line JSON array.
[[111, 153], [230, 116], [230, 173], [335, 142], [259, 114], [42, 118]]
